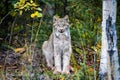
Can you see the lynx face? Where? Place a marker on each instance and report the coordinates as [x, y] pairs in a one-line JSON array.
[[60, 25]]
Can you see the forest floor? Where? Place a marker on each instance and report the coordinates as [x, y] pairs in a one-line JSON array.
[[17, 65]]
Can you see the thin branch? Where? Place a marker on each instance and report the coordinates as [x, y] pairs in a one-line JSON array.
[[4, 17], [11, 32], [40, 24]]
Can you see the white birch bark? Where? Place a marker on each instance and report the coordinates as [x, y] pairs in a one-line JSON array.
[[109, 65]]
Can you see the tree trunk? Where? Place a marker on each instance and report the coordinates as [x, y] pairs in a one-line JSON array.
[[109, 65]]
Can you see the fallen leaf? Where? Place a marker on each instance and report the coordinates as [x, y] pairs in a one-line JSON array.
[[18, 50], [62, 78]]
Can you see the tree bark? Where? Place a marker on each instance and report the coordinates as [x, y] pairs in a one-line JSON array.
[[109, 64]]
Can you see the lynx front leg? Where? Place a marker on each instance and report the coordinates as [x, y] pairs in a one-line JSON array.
[[49, 59], [48, 52], [66, 61], [57, 59]]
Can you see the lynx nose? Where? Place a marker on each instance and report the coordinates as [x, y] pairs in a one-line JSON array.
[[61, 30]]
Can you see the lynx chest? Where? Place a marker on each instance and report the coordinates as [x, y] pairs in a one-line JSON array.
[[61, 40]]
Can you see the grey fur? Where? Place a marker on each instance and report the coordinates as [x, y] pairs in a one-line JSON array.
[[58, 46]]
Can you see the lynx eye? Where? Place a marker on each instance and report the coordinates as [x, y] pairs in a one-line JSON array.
[[56, 26], [66, 27]]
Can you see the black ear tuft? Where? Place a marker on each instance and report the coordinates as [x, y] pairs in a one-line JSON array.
[[55, 18]]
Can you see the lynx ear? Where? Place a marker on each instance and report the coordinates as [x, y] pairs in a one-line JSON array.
[[66, 18], [55, 18]]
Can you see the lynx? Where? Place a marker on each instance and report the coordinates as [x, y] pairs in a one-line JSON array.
[[57, 49]]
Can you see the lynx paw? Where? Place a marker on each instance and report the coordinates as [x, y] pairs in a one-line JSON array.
[[65, 72], [51, 68]]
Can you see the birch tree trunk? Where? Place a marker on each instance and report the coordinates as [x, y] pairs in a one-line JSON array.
[[109, 65]]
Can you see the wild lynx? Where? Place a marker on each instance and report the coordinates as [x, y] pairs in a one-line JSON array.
[[57, 49]]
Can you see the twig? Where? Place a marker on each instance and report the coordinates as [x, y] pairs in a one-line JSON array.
[[11, 32], [40, 24], [4, 17]]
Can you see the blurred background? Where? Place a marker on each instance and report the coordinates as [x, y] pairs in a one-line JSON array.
[[26, 24]]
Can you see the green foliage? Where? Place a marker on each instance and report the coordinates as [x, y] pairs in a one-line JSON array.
[[25, 6], [29, 25]]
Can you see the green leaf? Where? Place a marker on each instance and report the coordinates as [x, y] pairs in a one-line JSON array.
[[39, 15], [78, 50], [21, 12], [39, 9]]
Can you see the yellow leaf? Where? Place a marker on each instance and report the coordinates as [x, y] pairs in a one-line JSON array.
[[32, 15], [62, 78], [91, 69], [98, 60], [18, 49], [94, 48], [22, 1], [99, 19], [20, 12], [33, 4], [31, 1], [36, 13], [98, 45], [21, 7]]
